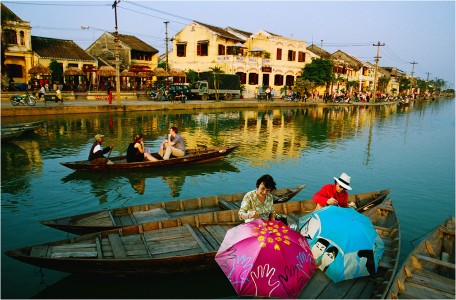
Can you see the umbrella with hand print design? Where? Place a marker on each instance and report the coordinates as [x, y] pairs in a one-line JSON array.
[[266, 259]]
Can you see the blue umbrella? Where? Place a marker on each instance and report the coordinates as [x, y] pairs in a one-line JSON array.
[[344, 242]]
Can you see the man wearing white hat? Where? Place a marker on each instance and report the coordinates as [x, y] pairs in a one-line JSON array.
[[96, 152], [334, 194]]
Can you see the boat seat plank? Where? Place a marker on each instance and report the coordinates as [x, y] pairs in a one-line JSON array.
[[438, 282], [39, 251], [208, 237], [228, 204], [99, 249], [117, 246], [174, 250], [123, 220], [418, 291], [155, 214], [196, 237], [202, 238], [435, 261], [85, 254], [217, 232], [434, 276], [177, 214], [165, 234]]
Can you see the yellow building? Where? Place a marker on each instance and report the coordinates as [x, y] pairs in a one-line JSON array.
[[260, 59]]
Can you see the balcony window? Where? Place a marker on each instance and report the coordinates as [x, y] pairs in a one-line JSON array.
[[253, 78], [278, 79], [301, 56]]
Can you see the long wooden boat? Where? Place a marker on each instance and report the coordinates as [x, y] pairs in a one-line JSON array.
[[9, 135], [178, 245], [193, 156], [138, 214], [376, 286], [29, 126], [429, 271]]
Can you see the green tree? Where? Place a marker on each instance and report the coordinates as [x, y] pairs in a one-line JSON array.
[[215, 77], [192, 76], [319, 71], [383, 83], [304, 86], [404, 84], [57, 72]]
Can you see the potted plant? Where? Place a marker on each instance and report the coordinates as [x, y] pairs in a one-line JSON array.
[[242, 90]]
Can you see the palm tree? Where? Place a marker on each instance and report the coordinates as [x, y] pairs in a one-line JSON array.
[[215, 74]]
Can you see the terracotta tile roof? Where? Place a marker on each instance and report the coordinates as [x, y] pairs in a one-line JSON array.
[[220, 31], [136, 44], [8, 15], [59, 49], [240, 33], [319, 51]]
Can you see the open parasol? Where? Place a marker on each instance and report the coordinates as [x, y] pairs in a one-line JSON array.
[[73, 71], [106, 71], [159, 72], [177, 73], [40, 70], [126, 73]]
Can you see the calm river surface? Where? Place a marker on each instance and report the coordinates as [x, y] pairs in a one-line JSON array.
[[408, 150]]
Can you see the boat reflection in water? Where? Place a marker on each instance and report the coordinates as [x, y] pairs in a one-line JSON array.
[[104, 182]]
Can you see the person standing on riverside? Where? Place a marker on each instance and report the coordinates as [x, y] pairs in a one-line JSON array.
[[174, 145], [333, 194], [259, 203], [96, 156]]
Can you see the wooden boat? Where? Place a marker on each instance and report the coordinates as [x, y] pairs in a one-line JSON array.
[[178, 245], [193, 156], [428, 272], [29, 126], [9, 135], [376, 286], [138, 214]]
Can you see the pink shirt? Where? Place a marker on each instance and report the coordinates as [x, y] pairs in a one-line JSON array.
[[329, 191]]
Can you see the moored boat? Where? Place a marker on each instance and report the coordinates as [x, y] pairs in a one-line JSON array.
[[429, 270], [137, 214], [9, 135], [192, 156], [184, 244], [29, 126]]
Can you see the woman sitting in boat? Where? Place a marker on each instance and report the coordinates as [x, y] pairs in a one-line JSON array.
[[174, 145], [258, 203], [136, 151]]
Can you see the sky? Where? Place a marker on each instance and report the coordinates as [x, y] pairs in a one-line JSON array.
[[417, 36]]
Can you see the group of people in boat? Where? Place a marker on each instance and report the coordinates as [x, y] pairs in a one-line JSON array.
[[174, 145]]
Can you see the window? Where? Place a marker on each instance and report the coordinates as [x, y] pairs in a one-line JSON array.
[[14, 70], [278, 79], [279, 54], [301, 56], [289, 80], [22, 34], [291, 55], [181, 50], [242, 77], [265, 79], [221, 49], [202, 49], [253, 78], [10, 37]]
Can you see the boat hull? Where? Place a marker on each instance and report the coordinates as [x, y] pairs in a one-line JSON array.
[[194, 156]]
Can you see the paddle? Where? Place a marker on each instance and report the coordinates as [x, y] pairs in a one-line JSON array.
[[109, 154]]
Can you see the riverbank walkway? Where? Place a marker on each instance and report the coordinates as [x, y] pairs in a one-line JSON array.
[[102, 106]]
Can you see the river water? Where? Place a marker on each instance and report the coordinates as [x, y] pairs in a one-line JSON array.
[[408, 150]]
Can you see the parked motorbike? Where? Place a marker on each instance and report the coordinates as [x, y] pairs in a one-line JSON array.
[[179, 97], [157, 95], [26, 99]]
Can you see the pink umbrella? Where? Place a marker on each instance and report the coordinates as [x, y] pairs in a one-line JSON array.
[[266, 259]]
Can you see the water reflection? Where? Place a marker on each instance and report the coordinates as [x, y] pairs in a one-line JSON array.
[[101, 184]]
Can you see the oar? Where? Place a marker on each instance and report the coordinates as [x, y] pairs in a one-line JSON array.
[[109, 154]]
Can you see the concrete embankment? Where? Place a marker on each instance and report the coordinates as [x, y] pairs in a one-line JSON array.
[[83, 107]]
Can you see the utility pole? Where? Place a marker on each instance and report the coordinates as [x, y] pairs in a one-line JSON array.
[[374, 94], [166, 40], [116, 43], [427, 81], [413, 70]]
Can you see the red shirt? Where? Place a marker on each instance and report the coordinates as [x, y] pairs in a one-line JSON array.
[[329, 191]]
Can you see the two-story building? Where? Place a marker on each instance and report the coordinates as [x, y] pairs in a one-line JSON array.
[[260, 59]]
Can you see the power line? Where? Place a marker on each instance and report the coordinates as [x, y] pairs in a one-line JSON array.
[[40, 3]]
